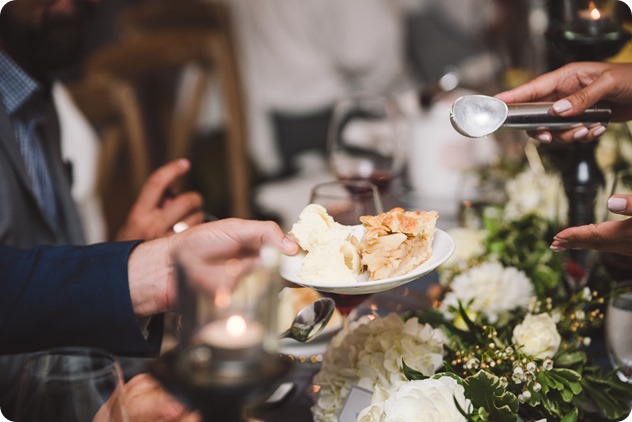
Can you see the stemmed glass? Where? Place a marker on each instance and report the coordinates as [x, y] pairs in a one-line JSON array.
[[618, 326], [365, 140], [227, 359], [71, 384], [346, 202]]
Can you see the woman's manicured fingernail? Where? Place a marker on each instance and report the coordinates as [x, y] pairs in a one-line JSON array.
[[599, 131], [560, 240], [580, 133], [545, 137], [557, 248], [562, 105], [617, 204]]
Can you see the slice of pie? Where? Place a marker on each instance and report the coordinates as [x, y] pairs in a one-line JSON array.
[[397, 241]]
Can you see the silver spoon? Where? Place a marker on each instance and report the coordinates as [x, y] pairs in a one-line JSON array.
[[476, 116], [310, 320]]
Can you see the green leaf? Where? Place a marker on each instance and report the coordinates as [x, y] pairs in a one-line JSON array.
[[572, 378], [570, 359], [611, 395], [571, 416], [568, 374], [412, 374], [485, 390]]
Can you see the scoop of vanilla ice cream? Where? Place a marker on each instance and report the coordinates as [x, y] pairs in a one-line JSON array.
[[332, 262], [316, 227]]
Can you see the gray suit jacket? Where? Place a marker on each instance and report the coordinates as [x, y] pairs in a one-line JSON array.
[[22, 224]]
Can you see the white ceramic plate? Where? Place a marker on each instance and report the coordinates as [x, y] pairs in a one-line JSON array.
[[442, 249]]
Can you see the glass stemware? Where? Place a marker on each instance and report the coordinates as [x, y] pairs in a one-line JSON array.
[[346, 202], [71, 384], [618, 325], [365, 140], [227, 359]]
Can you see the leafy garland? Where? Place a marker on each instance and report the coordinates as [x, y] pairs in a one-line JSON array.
[[499, 377]]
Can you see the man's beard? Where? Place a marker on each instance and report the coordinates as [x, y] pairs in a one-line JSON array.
[[53, 46]]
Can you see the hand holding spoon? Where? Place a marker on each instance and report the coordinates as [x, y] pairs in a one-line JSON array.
[[310, 320], [476, 116]]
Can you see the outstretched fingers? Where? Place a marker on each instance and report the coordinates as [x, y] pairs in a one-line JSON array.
[[610, 236]]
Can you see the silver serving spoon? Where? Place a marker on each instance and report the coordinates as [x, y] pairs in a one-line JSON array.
[[310, 320], [476, 116]]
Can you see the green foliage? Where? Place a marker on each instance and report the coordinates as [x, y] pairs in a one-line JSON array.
[[524, 244], [502, 382], [487, 391]]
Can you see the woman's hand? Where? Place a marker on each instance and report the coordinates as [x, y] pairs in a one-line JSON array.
[[610, 236], [574, 88]]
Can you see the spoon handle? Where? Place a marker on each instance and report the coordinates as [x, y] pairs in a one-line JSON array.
[[537, 116]]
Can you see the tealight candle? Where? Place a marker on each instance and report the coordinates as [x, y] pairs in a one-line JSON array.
[[232, 333], [593, 21]]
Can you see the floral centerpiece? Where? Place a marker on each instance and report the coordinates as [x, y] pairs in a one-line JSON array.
[[506, 339]]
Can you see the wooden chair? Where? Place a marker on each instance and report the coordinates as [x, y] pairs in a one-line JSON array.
[[159, 39]]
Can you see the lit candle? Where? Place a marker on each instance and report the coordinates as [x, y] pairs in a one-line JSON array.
[[233, 333], [593, 21]]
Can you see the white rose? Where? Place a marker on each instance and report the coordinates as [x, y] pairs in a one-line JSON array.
[[538, 336], [432, 398]]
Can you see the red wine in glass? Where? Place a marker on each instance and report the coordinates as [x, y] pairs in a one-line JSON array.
[[380, 178], [346, 303]]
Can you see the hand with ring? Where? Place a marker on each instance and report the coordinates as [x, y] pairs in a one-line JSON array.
[[158, 211]]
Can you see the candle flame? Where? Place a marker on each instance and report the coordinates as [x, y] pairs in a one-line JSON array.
[[595, 14], [236, 326]]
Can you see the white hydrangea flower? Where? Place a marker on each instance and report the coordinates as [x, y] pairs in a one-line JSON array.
[[370, 354], [492, 289], [432, 398], [538, 336], [538, 193]]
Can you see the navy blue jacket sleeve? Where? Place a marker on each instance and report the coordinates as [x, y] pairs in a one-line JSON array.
[[69, 295]]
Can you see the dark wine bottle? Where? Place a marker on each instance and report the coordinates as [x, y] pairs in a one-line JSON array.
[[583, 179]]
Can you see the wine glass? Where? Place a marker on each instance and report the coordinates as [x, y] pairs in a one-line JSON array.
[[71, 384], [365, 139], [347, 201], [618, 326], [618, 266], [227, 359]]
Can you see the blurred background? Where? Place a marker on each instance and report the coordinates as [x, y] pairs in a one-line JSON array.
[[246, 90]]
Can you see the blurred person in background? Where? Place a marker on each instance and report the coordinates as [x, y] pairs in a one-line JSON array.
[[297, 58], [38, 40]]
